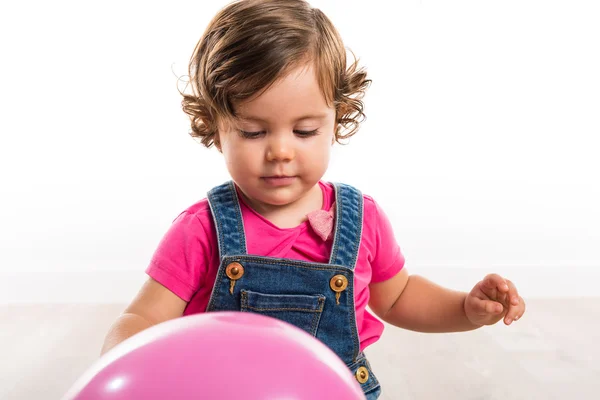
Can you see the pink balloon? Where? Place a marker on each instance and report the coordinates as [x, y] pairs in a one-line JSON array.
[[219, 355]]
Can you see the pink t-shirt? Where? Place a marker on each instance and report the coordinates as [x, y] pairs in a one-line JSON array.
[[187, 259]]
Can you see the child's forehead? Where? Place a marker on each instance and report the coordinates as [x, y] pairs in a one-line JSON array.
[[296, 95], [265, 118]]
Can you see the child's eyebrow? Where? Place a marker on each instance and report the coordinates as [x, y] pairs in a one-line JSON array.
[[308, 116]]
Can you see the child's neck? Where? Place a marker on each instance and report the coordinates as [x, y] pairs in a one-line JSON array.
[[289, 215]]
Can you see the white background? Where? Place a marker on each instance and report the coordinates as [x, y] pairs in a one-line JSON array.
[[481, 141]]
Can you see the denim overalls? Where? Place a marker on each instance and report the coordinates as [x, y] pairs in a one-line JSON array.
[[318, 298]]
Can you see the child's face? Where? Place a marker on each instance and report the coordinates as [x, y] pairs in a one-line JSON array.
[[281, 147]]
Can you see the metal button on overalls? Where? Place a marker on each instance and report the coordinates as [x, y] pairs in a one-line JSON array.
[[234, 271], [338, 284], [362, 375]]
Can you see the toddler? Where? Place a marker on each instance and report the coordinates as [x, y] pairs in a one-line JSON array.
[[273, 91]]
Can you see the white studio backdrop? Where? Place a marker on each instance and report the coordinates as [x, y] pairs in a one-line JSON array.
[[481, 141]]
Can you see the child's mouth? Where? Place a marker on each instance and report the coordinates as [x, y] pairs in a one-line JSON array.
[[279, 180]]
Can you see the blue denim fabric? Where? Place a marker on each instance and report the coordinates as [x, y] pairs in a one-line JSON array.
[[295, 291]]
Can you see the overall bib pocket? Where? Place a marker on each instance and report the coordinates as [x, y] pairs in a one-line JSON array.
[[300, 310]]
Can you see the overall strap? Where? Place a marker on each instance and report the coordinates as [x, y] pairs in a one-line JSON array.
[[227, 216], [348, 225]]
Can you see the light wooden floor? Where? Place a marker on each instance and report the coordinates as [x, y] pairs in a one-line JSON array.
[[552, 353]]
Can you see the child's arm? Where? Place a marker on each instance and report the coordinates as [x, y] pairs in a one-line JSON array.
[[415, 303], [153, 304]]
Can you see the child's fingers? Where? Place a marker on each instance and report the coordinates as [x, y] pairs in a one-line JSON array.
[[513, 300], [495, 281], [485, 307], [515, 312], [513, 294], [522, 307], [494, 286]]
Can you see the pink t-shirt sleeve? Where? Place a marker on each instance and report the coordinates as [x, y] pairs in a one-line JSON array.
[[388, 259], [180, 261]]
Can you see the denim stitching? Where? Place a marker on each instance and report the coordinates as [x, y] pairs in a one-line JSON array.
[[219, 240], [320, 299], [217, 225], [217, 200], [216, 286], [238, 210], [351, 310], [278, 262], [284, 309], [244, 300], [338, 213], [317, 317], [344, 196]]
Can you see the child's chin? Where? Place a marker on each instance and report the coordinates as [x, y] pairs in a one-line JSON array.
[[280, 196], [281, 200]]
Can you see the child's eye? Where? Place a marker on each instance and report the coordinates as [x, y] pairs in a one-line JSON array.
[[306, 133], [251, 135]]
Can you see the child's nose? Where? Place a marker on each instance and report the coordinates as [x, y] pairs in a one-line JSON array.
[[280, 148]]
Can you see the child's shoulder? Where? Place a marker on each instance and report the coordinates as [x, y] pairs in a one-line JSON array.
[[370, 208], [199, 207], [199, 212]]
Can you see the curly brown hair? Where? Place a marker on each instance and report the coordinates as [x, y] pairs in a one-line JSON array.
[[250, 44]]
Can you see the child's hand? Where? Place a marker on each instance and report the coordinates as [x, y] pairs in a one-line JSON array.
[[492, 299]]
